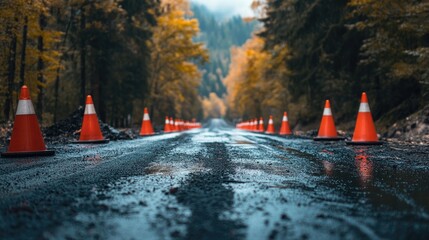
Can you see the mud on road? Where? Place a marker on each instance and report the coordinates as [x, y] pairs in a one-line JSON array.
[[218, 183]]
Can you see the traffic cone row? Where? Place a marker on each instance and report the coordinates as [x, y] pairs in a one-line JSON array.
[[27, 139], [364, 133], [179, 125], [257, 126]]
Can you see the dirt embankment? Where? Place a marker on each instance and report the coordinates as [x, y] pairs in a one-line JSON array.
[[68, 130], [413, 129]]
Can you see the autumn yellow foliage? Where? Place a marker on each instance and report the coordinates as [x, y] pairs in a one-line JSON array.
[[214, 106], [257, 81], [29, 51], [174, 77]]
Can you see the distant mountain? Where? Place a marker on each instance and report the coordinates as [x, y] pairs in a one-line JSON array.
[[219, 35]]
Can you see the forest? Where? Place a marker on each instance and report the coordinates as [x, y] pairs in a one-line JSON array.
[[219, 34], [127, 54], [180, 60], [311, 50]]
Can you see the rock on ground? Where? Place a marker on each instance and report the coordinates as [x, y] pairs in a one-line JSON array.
[[413, 129], [69, 129]]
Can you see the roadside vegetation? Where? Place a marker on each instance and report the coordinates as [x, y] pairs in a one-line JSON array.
[[126, 53], [310, 50]]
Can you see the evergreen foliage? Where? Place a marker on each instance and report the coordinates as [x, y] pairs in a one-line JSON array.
[[219, 36], [337, 49]]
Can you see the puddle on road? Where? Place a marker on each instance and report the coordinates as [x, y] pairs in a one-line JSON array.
[[243, 142], [159, 169], [210, 137], [185, 150], [328, 167], [318, 194], [137, 207], [365, 168], [94, 160], [290, 207], [173, 170], [134, 207]]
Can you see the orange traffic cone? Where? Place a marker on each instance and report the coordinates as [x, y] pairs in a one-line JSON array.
[[327, 130], [285, 128], [167, 128], [270, 128], [181, 125], [261, 125], [90, 132], [146, 128], [172, 125], [27, 139], [365, 133], [255, 125], [176, 125]]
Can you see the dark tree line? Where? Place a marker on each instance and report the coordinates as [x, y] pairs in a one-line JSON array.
[[339, 48], [66, 49]]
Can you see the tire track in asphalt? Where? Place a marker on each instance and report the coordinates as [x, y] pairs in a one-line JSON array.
[[144, 205], [208, 197]]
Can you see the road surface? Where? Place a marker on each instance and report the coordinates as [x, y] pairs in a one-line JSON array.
[[217, 183]]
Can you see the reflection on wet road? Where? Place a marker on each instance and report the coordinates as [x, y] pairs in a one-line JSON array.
[[218, 183]]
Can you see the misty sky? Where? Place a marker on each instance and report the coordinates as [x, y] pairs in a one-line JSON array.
[[228, 7]]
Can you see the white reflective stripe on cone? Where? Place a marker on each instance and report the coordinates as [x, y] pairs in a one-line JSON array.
[[90, 109], [270, 121], [25, 107], [327, 112], [146, 117], [364, 107], [285, 119]]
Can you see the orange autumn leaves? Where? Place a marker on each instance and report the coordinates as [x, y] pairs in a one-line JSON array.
[[174, 77], [257, 80]]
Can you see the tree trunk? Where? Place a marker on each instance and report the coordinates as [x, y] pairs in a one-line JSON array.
[[40, 67], [82, 58], [98, 87], [57, 89], [10, 77], [23, 52], [57, 79]]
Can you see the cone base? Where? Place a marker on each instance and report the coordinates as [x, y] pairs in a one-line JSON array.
[[364, 143], [27, 154], [285, 134], [328, 138], [92, 141]]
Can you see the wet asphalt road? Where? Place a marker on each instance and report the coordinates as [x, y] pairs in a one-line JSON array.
[[218, 183]]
